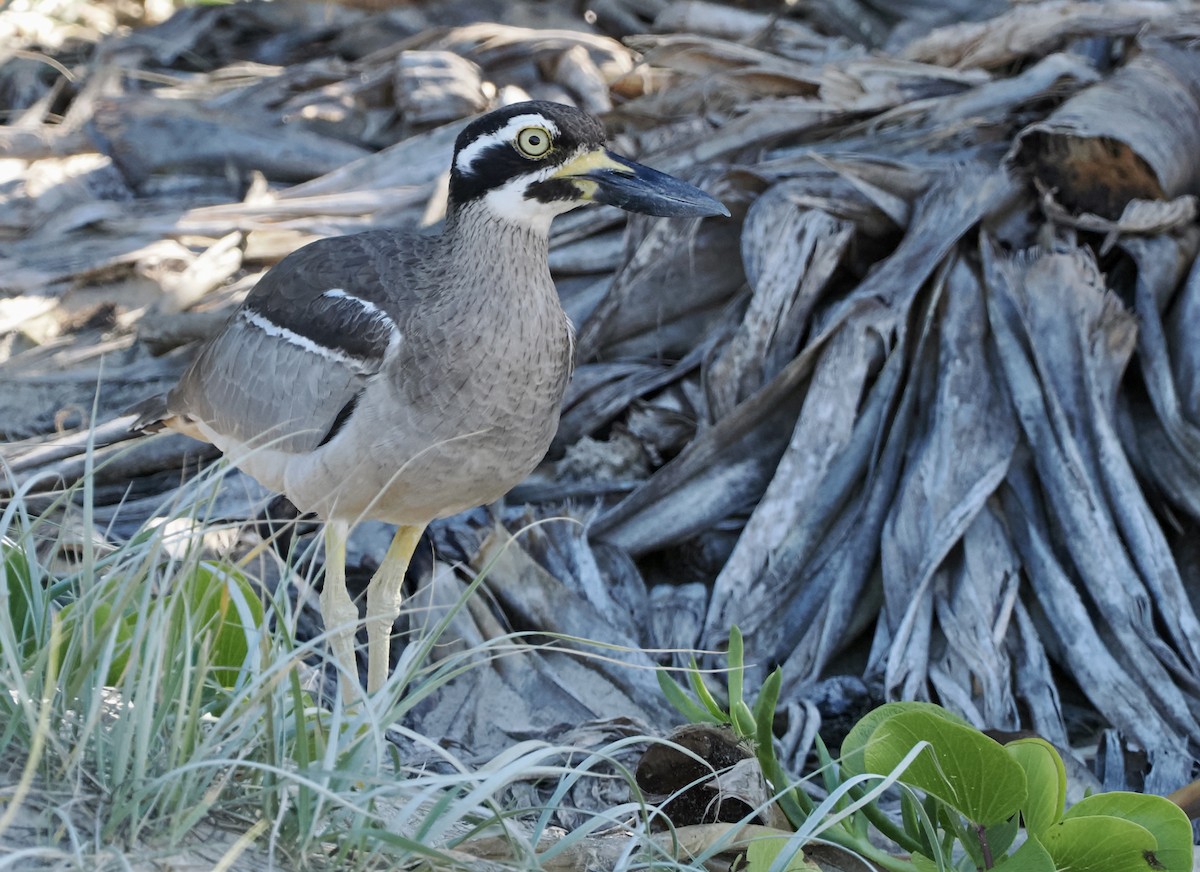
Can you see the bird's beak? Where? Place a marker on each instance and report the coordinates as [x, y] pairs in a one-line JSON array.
[[605, 177]]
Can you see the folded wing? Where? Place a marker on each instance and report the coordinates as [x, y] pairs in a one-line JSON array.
[[289, 367]]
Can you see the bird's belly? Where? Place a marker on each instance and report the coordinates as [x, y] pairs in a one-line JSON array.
[[396, 475]]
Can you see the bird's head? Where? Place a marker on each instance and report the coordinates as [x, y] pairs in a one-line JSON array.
[[531, 161]]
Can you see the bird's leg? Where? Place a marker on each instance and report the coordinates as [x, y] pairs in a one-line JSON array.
[[384, 595], [337, 609]]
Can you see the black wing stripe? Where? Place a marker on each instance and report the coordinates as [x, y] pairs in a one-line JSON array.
[[343, 416]]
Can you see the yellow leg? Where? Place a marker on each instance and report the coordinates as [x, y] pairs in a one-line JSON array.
[[384, 596], [338, 610]]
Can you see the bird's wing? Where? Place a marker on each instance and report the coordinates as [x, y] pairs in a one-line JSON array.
[[290, 365]]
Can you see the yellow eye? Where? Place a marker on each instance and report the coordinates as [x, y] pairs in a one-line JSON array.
[[533, 141]]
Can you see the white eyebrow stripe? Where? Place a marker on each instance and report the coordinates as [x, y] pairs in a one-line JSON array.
[[269, 327], [503, 136]]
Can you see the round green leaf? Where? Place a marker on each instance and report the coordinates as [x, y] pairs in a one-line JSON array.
[[1100, 843], [102, 623], [27, 624], [856, 740], [1030, 857], [1001, 836], [964, 768], [761, 853], [1045, 780], [226, 609], [1166, 821]]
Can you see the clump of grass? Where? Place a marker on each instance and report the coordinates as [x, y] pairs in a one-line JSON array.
[[152, 698]]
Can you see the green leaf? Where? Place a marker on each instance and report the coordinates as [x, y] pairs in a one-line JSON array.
[[736, 658], [1030, 857], [22, 610], [911, 821], [768, 699], [761, 853], [1001, 836], [764, 745], [960, 830], [691, 710], [102, 623], [743, 720], [923, 863], [858, 737], [1045, 779], [1100, 843], [963, 767], [227, 611], [826, 766], [1166, 821], [700, 689]]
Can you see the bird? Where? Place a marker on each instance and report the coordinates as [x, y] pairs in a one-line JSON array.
[[404, 376]]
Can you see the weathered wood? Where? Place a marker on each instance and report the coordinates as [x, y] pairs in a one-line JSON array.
[[1131, 136], [145, 136], [937, 501], [789, 254], [1060, 378], [1036, 29]]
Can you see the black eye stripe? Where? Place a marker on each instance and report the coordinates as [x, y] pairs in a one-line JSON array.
[[492, 167]]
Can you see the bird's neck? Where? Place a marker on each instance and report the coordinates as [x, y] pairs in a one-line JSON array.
[[496, 250], [495, 276]]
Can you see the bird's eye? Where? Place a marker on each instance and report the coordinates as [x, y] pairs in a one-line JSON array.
[[533, 141]]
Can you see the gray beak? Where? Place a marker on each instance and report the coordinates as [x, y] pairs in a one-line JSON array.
[[605, 177], [638, 188]]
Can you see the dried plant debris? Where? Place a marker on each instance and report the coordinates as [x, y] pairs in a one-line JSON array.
[[924, 412], [1123, 138]]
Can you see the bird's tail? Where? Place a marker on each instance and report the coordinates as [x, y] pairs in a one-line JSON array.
[[150, 414]]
